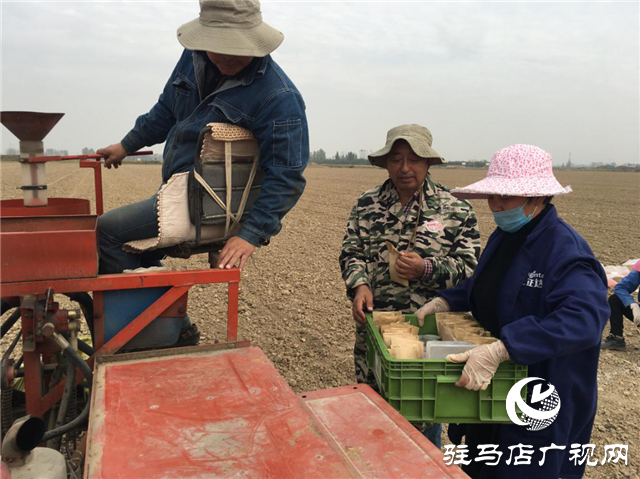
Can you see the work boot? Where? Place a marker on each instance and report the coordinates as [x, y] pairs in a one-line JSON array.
[[615, 343], [188, 337]]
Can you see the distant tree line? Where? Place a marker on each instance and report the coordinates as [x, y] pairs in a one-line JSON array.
[[467, 164], [47, 152], [349, 158]]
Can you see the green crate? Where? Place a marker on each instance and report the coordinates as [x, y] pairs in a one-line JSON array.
[[423, 390]]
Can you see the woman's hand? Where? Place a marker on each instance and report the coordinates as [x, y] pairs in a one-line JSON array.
[[482, 364], [635, 312], [363, 300], [436, 305], [410, 266]]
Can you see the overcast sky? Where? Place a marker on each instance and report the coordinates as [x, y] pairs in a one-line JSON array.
[[480, 75]]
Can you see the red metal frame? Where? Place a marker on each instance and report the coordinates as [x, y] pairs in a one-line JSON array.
[[181, 281], [47, 159], [97, 180]]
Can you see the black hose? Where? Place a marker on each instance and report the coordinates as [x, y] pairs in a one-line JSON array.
[[11, 320], [88, 374], [69, 389], [85, 348]]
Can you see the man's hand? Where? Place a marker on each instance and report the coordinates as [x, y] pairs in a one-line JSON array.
[[410, 266], [635, 311], [482, 364], [436, 305], [115, 154], [363, 299], [235, 250]]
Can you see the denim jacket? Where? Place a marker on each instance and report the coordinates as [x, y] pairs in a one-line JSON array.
[[263, 101]]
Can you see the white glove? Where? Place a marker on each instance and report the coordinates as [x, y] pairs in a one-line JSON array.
[[635, 311], [482, 363], [436, 305]]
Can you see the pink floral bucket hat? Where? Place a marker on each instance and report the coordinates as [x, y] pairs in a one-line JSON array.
[[517, 170]]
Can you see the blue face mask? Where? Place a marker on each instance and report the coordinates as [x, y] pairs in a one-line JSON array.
[[512, 220]]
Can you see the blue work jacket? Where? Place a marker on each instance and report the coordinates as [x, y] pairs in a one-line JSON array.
[[552, 308], [626, 287], [265, 102]]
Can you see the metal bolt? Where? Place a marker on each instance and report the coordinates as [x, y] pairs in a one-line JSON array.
[[97, 315], [48, 329], [181, 310]]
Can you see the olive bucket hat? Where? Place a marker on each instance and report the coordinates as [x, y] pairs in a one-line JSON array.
[[230, 27], [418, 137]]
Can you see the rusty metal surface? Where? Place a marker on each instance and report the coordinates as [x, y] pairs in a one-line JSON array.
[[55, 207], [43, 248], [200, 413], [164, 353], [208, 414], [375, 438], [29, 125]]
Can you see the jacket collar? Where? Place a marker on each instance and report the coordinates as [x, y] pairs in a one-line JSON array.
[[521, 263], [550, 217]]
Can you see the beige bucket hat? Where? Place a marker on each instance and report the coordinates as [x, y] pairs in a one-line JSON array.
[[418, 137], [230, 27]]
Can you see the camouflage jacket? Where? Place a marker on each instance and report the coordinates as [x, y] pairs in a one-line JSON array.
[[447, 234]]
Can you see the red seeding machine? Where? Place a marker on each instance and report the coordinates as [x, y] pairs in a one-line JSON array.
[[121, 402]]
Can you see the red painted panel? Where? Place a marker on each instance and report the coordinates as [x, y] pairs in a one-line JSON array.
[[374, 437], [218, 414], [56, 207], [202, 414], [48, 247]]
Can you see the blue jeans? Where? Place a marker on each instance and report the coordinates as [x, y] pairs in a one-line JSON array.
[[128, 223], [434, 434]]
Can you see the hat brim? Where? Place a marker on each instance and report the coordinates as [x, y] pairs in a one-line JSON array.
[[257, 41], [527, 187], [418, 147]]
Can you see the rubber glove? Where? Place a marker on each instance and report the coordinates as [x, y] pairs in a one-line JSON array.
[[482, 363], [436, 305], [635, 311]]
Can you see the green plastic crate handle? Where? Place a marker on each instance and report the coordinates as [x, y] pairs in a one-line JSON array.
[[447, 379]]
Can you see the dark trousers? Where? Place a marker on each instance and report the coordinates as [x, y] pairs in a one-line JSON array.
[[131, 222], [618, 310]]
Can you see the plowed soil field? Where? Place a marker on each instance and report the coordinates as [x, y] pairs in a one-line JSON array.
[[292, 299]]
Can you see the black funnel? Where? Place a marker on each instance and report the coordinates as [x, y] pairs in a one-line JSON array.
[[29, 125]]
